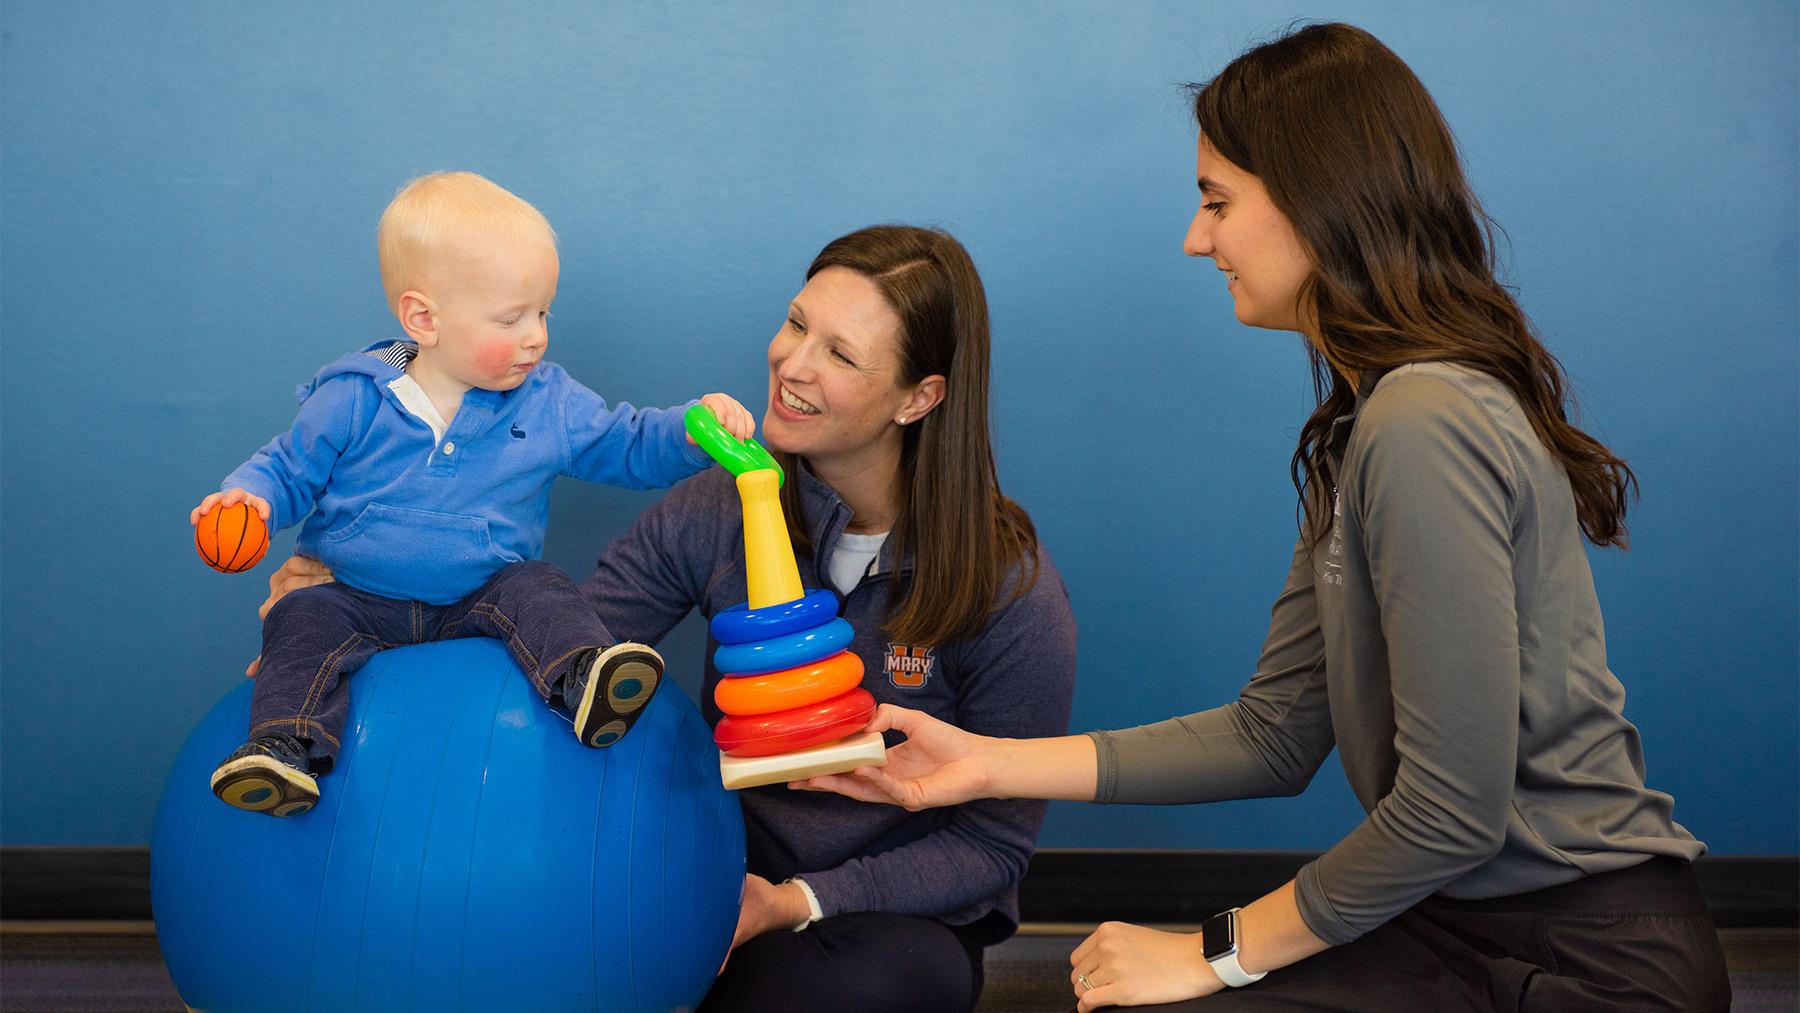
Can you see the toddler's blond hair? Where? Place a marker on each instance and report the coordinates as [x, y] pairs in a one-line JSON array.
[[447, 213]]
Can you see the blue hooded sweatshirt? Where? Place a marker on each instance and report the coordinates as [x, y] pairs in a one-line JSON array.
[[394, 512]]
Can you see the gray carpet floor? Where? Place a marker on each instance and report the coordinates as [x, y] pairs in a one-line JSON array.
[[99, 973]]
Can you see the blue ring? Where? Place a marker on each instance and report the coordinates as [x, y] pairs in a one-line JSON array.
[[740, 624], [777, 653]]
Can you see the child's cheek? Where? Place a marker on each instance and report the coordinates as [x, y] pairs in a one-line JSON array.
[[495, 357]]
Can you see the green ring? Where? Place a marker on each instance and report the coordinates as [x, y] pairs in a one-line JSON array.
[[734, 455]]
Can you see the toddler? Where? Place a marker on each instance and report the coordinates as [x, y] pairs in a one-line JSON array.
[[422, 468]]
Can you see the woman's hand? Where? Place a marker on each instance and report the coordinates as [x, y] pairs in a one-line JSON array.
[[767, 907], [296, 573], [938, 765], [1130, 965]]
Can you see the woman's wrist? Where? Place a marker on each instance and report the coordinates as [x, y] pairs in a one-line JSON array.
[[792, 906], [1063, 768], [809, 901], [1274, 933]]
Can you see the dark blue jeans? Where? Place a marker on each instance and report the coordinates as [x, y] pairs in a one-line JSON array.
[[315, 637]]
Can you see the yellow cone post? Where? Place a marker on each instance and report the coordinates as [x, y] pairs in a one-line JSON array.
[[769, 566]]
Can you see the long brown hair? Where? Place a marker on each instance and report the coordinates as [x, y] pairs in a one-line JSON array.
[[1353, 150], [964, 536]]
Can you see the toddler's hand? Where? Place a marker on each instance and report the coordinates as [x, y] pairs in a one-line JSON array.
[[736, 419], [231, 497]]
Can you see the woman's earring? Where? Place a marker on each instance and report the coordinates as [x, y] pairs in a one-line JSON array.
[[901, 420]]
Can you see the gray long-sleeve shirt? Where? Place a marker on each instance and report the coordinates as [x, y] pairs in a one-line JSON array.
[[1447, 638]]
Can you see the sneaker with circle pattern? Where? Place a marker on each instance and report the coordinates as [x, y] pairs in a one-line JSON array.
[[267, 775], [608, 689]]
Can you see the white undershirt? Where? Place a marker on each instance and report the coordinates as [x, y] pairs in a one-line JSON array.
[[419, 403], [850, 561]]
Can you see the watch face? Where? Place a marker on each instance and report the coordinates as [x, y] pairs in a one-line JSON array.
[[1218, 936]]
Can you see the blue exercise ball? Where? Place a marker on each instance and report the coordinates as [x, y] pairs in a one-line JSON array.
[[467, 853]]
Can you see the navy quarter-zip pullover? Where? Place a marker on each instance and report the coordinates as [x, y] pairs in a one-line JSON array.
[[1015, 678]]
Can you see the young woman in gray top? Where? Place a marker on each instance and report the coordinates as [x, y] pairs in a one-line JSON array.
[[1438, 625]]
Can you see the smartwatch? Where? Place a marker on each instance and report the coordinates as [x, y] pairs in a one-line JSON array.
[[1219, 939]]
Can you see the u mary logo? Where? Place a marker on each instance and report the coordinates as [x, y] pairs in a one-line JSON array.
[[908, 667]]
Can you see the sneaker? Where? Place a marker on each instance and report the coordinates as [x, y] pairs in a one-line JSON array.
[[607, 688], [267, 775]]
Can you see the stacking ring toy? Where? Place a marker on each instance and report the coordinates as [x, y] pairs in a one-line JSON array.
[[777, 653], [784, 732], [735, 455], [796, 687], [740, 624]]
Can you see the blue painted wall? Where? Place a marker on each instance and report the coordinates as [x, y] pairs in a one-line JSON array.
[[189, 201]]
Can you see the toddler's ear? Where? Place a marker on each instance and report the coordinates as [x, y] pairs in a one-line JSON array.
[[418, 318]]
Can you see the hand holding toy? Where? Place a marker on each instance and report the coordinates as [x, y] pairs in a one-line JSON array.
[[734, 455], [231, 536]]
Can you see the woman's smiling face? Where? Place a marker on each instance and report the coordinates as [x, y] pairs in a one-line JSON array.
[[834, 370], [1239, 227]]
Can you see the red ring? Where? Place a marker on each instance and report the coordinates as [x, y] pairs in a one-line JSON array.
[[798, 728]]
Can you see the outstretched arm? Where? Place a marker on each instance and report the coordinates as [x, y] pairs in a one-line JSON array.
[[618, 444], [940, 764], [1267, 742]]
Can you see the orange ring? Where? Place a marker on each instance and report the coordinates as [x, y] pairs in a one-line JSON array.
[[790, 687]]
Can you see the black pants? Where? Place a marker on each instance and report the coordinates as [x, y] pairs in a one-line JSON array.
[[868, 962], [1636, 939]]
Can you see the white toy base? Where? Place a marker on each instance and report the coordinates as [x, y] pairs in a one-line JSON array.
[[863, 749]]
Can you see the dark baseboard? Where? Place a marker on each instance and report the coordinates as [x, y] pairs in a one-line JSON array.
[[1062, 885], [1166, 887], [75, 883]]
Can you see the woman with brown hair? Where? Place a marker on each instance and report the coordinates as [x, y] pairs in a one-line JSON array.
[[878, 410], [1438, 625]]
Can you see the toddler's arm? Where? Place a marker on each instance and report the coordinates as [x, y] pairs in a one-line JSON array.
[[638, 448], [286, 476]]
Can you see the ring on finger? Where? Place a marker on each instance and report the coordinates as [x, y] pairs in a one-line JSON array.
[[1082, 980]]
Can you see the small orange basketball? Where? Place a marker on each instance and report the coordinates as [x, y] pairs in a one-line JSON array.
[[231, 539]]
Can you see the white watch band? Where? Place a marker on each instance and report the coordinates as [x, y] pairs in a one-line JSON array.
[[814, 911], [1232, 973]]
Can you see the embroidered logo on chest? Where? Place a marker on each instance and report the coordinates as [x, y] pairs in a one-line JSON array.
[[909, 667]]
